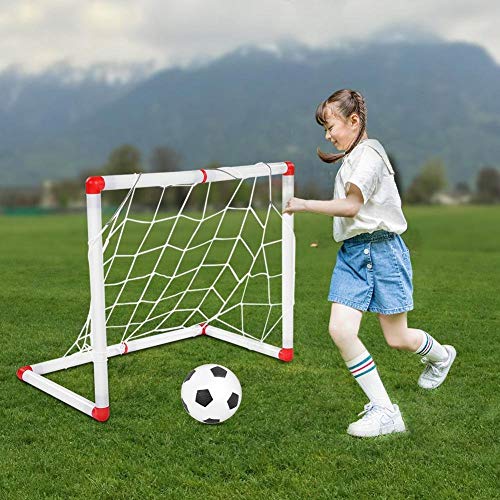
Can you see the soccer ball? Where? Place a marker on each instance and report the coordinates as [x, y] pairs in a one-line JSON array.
[[211, 393]]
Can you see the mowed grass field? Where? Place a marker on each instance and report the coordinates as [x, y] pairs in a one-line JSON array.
[[288, 438]]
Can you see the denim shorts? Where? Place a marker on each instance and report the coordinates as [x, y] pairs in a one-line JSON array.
[[373, 273]]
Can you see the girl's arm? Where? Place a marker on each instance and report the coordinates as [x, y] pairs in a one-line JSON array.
[[346, 207]]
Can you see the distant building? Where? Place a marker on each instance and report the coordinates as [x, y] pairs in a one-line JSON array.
[[443, 198], [48, 197]]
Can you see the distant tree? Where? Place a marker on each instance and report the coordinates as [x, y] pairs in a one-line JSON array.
[[488, 185], [125, 159], [164, 159], [430, 180], [462, 188]]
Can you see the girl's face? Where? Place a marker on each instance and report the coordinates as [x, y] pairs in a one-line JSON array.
[[340, 132]]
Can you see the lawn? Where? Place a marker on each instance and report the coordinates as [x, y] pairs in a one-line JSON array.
[[288, 438]]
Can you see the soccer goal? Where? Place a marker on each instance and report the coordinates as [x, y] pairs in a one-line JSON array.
[[185, 254]]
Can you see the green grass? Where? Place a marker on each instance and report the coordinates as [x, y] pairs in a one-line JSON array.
[[288, 438]]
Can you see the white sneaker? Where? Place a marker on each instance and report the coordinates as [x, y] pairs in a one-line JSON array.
[[376, 421], [435, 372]]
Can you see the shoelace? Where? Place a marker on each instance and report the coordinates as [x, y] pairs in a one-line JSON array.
[[433, 367], [370, 410]]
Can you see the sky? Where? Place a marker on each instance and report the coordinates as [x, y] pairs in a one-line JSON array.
[[165, 33]]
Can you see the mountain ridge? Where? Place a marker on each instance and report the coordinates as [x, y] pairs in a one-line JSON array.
[[431, 99]]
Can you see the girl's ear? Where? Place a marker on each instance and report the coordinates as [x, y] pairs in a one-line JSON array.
[[354, 120]]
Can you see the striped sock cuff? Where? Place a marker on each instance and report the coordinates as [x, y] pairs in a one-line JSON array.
[[365, 366], [426, 345]]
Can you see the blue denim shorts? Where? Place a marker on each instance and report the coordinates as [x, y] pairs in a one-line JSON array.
[[373, 273]]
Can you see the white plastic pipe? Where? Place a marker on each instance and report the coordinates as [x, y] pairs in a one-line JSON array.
[[97, 301], [163, 338], [288, 260], [248, 343], [112, 182], [81, 358], [59, 392]]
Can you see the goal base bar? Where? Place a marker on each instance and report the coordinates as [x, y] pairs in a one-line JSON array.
[[26, 374], [34, 374], [283, 353]]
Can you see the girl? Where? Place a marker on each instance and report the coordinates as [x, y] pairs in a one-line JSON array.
[[373, 270]]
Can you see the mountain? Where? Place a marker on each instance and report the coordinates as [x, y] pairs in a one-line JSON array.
[[36, 108], [426, 99]]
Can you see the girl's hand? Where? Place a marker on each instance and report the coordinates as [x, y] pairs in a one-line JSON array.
[[295, 205]]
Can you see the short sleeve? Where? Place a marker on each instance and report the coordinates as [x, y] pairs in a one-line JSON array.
[[366, 173]]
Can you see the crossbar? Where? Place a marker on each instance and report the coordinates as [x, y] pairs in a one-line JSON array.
[[189, 177]]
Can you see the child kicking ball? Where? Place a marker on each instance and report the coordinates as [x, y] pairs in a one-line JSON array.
[[373, 271]]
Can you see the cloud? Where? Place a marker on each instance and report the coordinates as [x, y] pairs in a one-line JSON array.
[[36, 34]]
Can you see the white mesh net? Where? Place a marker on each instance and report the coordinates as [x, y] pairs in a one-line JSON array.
[[180, 256]]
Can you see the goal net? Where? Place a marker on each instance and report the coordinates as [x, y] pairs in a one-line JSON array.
[[204, 252]]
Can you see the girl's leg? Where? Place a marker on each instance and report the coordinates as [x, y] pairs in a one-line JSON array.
[[344, 328], [399, 336], [438, 358]]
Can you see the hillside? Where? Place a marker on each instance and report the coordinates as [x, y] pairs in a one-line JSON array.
[[424, 100]]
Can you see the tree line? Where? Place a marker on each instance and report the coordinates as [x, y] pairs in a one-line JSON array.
[[127, 159], [432, 180], [425, 188]]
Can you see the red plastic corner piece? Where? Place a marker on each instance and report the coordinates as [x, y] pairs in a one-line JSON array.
[[203, 328], [291, 168], [94, 185], [23, 369], [205, 175], [125, 348], [101, 414], [286, 354]]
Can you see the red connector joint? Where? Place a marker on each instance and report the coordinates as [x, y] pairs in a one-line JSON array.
[[205, 175], [291, 168], [125, 348], [94, 185], [23, 369], [286, 354], [100, 414], [203, 328]]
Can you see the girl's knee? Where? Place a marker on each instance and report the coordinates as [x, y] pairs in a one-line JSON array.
[[396, 343], [341, 333], [402, 340]]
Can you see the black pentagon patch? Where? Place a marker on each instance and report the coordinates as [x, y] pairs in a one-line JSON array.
[[185, 406], [189, 375], [211, 421], [232, 402], [218, 371], [203, 397]]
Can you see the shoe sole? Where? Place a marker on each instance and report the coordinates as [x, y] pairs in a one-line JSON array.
[[386, 429], [453, 354]]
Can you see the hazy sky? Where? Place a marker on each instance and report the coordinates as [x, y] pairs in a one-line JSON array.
[[38, 33]]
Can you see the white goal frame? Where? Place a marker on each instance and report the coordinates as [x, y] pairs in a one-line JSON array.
[[100, 351]]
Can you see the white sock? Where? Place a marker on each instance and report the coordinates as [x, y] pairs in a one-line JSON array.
[[365, 372], [431, 348]]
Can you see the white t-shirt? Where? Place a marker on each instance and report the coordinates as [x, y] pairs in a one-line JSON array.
[[368, 167]]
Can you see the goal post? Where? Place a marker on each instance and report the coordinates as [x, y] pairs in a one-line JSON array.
[[182, 282]]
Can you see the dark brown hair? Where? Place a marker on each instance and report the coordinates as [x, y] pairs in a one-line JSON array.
[[344, 103]]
